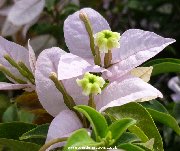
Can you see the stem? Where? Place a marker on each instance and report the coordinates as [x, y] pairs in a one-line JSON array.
[[91, 101], [52, 142], [9, 74], [97, 57], [107, 59]]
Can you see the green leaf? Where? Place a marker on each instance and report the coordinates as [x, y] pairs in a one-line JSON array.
[[130, 147], [148, 145], [119, 126], [136, 130], [97, 121], [156, 105], [37, 135], [165, 65], [80, 138], [127, 137], [11, 114], [15, 145], [38, 132], [14, 130], [143, 118], [165, 119]]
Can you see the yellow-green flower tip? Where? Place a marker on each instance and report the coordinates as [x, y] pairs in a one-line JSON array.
[[107, 40], [91, 84]]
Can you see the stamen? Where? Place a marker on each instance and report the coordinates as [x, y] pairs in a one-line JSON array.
[[84, 17], [21, 71], [68, 100], [25, 68], [9, 74]]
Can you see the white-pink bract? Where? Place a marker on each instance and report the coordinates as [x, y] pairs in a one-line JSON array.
[[174, 85], [18, 53], [136, 46]]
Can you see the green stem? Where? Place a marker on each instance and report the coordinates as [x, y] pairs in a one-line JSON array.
[[52, 142], [97, 57], [21, 71], [107, 59], [9, 74], [91, 101]]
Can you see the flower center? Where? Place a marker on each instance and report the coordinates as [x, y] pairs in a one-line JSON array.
[[106, 40], [107, 35], [91, 80], [91, 84]]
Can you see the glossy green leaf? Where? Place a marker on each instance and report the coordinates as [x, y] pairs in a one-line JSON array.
[[136, 130], [143, 118], [156, 105], [38, 132], [119, 126], [160, 114], [165, 65], [165, 119], [127, 137], [80, 138], [15, 145], [14, 130], [97, 121], [130, 147], [148, 145]]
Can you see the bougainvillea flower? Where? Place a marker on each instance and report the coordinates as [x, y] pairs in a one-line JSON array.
[[174, 85], [119, 92], [49, 96], [18, 55], [136, 46]]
